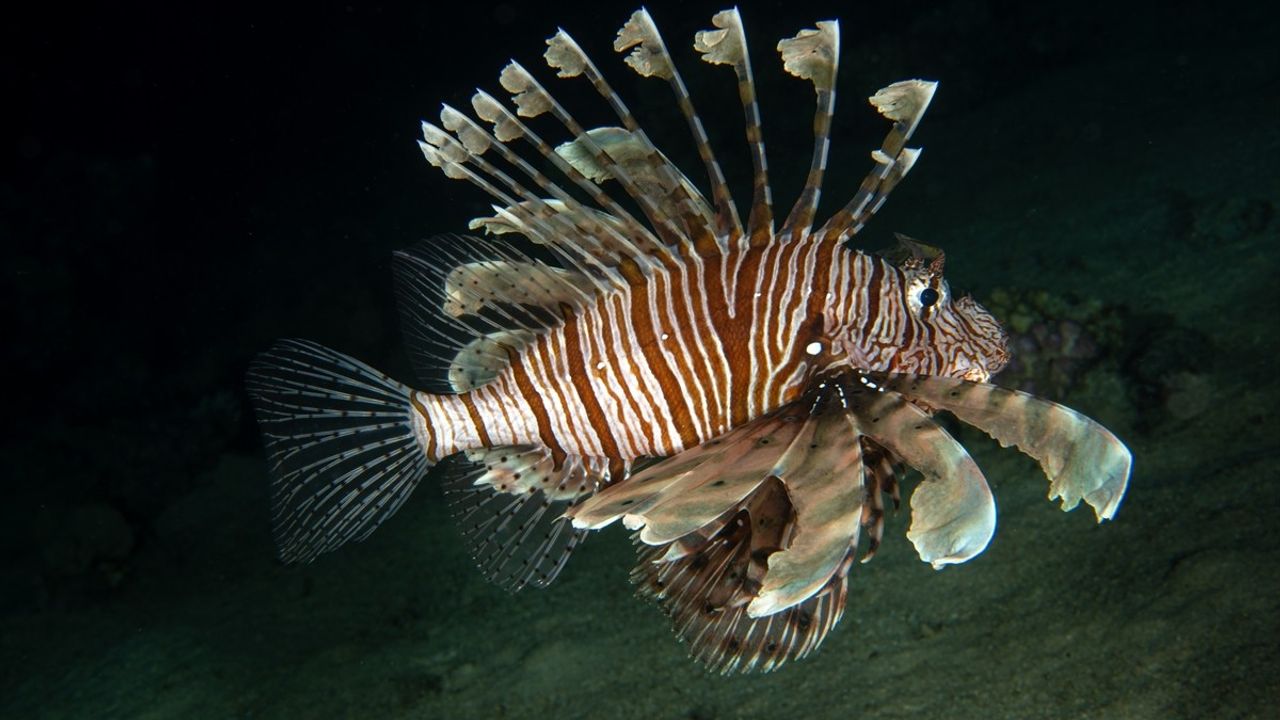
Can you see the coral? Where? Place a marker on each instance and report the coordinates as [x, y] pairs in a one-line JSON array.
[[1054, 341]]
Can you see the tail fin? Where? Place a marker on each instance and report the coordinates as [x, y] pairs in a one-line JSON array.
[[340, 439]]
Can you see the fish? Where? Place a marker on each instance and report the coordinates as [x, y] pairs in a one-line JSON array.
[[747, 397]]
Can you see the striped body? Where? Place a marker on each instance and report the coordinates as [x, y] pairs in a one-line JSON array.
[[704, 347]]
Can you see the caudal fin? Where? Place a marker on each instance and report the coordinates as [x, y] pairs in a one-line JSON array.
[[340, 441]]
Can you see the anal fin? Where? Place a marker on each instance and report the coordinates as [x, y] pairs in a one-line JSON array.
[[509, 503]]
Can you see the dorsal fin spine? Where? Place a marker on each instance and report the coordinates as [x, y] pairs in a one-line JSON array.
[[460, 123], [449, 148], [648, 57], [564, 54], [813, 55], [442, 153], [728, 45], [511, 321], [518, 77], [597, 194], [594, 229], [904, 103], [422, 284]]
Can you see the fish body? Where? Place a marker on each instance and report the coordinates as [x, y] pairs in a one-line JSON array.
[[683, 356], [746, 396]]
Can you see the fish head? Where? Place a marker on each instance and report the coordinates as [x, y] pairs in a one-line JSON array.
[[946, 335], [909, 321], [985, 348]]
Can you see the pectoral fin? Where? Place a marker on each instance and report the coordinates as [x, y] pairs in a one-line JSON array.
[[953, 514], [1082, 459]]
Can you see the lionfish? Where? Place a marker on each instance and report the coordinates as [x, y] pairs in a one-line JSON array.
[[744, 396]]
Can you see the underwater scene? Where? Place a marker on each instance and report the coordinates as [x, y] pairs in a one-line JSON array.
[[525, 360]]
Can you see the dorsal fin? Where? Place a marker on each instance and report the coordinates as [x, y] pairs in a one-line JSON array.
[[631, 240], [442, 313], [667, 187], [607, 243], [680, 202], [588, 237], [533, 100], [813, 55], [904, 103], [473, 287], [648, 56], [461, 158], [483, 359]]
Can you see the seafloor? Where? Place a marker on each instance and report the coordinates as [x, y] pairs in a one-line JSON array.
[[184, 190]]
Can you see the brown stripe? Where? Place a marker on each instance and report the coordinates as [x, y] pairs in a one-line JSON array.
[[738, 339], [474, 412], [530, 394], [714, 317], [581, 382], [823, 254], [647, 338], [543, 349], [609, 351], [790, 269], [685, 328], [426, 420], [763, 339], [874, 291], [908, 334]]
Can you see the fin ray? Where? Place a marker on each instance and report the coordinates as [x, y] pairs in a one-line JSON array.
[[813, 55], [726, 44], [648, 56], [825, 486], [340, 439], [508, 504]]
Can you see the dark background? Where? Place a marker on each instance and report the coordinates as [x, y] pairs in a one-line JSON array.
[[183, 184]]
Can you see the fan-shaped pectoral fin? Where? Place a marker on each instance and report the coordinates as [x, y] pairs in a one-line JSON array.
[[953, 514], [824, 482], [692, 488], [1082, 459]]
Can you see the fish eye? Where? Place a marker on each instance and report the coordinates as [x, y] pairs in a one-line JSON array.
[[928, 297]]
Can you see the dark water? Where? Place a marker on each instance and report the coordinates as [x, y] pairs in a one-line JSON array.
[[181, 187]]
